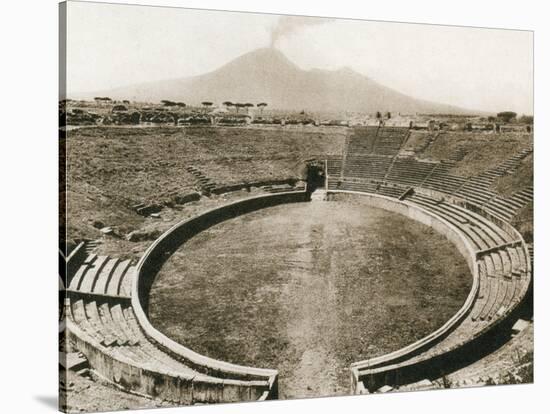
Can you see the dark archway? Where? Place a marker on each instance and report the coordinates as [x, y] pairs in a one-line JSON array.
[[315, 175]]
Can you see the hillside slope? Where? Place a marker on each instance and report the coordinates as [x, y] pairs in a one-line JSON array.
[[266, 75]]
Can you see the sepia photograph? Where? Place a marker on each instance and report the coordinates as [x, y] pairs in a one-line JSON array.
[[259, 206]]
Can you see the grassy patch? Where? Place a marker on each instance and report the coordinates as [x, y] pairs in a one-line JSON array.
[[509, 184], [111, 169], [482, 151], [522, 177], [418, 141]]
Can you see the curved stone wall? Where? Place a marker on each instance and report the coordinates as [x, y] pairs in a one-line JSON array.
[[168, 386], [394, 365], [454, 236], [408, 364], [162, 248]]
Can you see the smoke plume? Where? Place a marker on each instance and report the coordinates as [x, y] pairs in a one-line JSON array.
[[287, 25]]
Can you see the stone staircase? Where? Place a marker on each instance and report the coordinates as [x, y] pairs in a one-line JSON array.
[[90, 246], [205, 184]]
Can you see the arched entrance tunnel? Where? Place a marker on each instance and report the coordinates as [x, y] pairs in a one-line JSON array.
[[315, 175]]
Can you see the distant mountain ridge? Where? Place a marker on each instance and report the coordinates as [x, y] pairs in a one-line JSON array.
[[267, 75]]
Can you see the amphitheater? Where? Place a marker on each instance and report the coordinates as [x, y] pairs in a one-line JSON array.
[[107, 299]]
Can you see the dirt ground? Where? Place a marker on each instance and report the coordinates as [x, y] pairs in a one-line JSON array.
[[308, 291], [89, 393]]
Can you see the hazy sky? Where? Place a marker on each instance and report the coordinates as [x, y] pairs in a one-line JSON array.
[[115, 45]]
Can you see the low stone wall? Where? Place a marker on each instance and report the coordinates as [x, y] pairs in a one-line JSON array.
[[385, 362], [394, 368], [458, 356], [161, 250], [168, 386], [187, 198], [247, 185]]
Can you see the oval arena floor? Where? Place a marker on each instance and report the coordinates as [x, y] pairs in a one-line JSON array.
[[308, 289]]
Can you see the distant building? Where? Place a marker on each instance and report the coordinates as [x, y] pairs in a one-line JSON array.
[[119, 108]]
